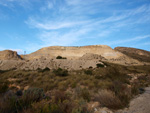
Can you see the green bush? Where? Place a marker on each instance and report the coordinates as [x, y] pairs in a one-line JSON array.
[[99, 65], [122, 92], [88, 72], [60, 72], [43, 70], [3, 86], [85, 94], [9, 103], [60, 57], [32, 95]]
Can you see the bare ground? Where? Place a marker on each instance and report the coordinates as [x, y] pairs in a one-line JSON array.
[[140, 104]]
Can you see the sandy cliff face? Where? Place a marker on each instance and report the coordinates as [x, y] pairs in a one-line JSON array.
[[76, 52], [9, 55], [106, 52]]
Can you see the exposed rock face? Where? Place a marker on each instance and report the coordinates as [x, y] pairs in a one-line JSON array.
[[101, 52], [75, 52], [138, 54], [9, 55], [90, 56]]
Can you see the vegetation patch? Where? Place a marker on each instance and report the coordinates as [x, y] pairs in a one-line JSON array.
[[60, 57], [60, 72], [63, 91], [99, 65]]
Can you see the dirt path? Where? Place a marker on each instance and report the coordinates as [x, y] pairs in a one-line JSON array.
[[141, 104]]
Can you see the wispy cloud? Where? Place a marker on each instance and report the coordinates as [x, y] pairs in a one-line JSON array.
[[47, 6], [88, 2], [124, 41], [64, 39], [11, 4], [19, 51], [74, 20], [53, 25]]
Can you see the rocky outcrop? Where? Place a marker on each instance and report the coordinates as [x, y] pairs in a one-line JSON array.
[[84, 52], [138, 54], [90, 56], [75, 52], [9, 55]]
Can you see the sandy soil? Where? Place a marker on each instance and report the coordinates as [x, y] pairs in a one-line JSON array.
[[140, 104]]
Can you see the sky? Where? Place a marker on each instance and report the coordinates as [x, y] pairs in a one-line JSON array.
[[28, 25]]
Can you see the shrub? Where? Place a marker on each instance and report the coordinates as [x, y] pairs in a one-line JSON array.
[[85, 94], [4, 86], [60, 57], [32, 95], [46, 69], [99, 65], [88, 72], [122, 92], [135, 90], [90, 67], [60, 72], [60, 96], [19, 93], [108, 99], [54, 108], [43, 70], [99, 77], [9, 103]]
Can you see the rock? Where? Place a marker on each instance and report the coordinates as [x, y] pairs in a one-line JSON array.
[[91, 56], [93, 105], [103, 110], [9, 55]]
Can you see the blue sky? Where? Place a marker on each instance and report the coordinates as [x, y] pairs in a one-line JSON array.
[[28, 25]]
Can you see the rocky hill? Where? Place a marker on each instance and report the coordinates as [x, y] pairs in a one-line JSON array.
[[75, 52], [80, 52], [138, 54], [71, 58], [9, 55]]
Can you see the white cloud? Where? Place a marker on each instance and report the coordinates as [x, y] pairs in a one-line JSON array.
[[135, 39], [11, 4], [64, 39], [54, 25], [87, 2], [47, 6], [74, 18], [19, 51]]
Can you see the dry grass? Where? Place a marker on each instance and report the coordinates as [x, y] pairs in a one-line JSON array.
[[108, 99], [108, 84]]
